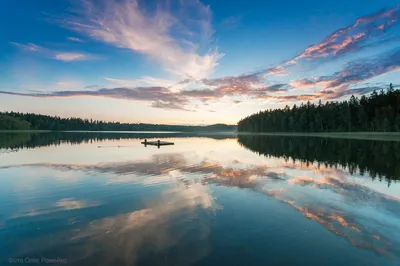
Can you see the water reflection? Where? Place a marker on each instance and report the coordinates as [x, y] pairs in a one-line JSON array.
[[377, 158], [124, 238], [16, 141], [158, 207]]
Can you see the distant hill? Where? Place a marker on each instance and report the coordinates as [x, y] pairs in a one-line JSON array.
[[30, 121]]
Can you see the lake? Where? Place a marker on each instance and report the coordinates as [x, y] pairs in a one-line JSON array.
[[105, 199]]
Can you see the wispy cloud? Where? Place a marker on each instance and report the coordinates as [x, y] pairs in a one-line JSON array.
[[367, 30], [57, 55], [355, 71], [167, 105], [371, 30], [326, 94], [67, 57], [163, 97], [143, 81], [276, 88], [173, 39], [30, 47], [159, 96], [277, 71], [75, 39]]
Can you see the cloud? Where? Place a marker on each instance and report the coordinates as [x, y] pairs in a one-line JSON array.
[[159, 97], [242, 81], [362, 70], [327, 94], [167, 105], [143, 81], [30, 47], [57, 55], [249, 84], [74, 39], [68, 57], [365, 31], [356, 71], [205, 94], [277, 71], [338, 84], [308, 83], [91, 87], [172, 38], [371, 30], [276, 88], [162, 96], [246, 85]]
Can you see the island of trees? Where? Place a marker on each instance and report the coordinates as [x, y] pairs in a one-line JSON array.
[[29, 121], [377, 112]]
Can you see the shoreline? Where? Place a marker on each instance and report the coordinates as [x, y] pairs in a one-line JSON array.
[[388, 136]]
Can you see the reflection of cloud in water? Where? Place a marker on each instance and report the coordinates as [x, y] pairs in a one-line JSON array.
[[64, 204], [153, 231], [348, 228], [160, 164], [71, 204], [366, 218], [175, 225]]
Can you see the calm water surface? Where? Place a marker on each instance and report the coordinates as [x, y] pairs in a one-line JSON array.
[[213, 200]]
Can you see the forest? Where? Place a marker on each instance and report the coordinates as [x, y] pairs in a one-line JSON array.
[[29, 121], [378, 158], [376, 112]]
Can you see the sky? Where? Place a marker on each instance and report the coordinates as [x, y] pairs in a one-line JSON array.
[[189, 61]]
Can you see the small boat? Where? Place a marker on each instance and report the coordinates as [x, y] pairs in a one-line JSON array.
[[156, 143]]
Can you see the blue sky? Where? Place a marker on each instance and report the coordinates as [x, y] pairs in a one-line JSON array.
[[191, 62]]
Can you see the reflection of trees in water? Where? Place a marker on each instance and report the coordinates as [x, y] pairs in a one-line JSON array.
[[378, 158], [32, 140], [12, 141]]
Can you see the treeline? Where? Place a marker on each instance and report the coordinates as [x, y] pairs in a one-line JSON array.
[[29, 121], [378, 112], [380, 159]]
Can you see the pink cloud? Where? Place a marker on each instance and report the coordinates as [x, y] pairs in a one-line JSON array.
[[352, 37]]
